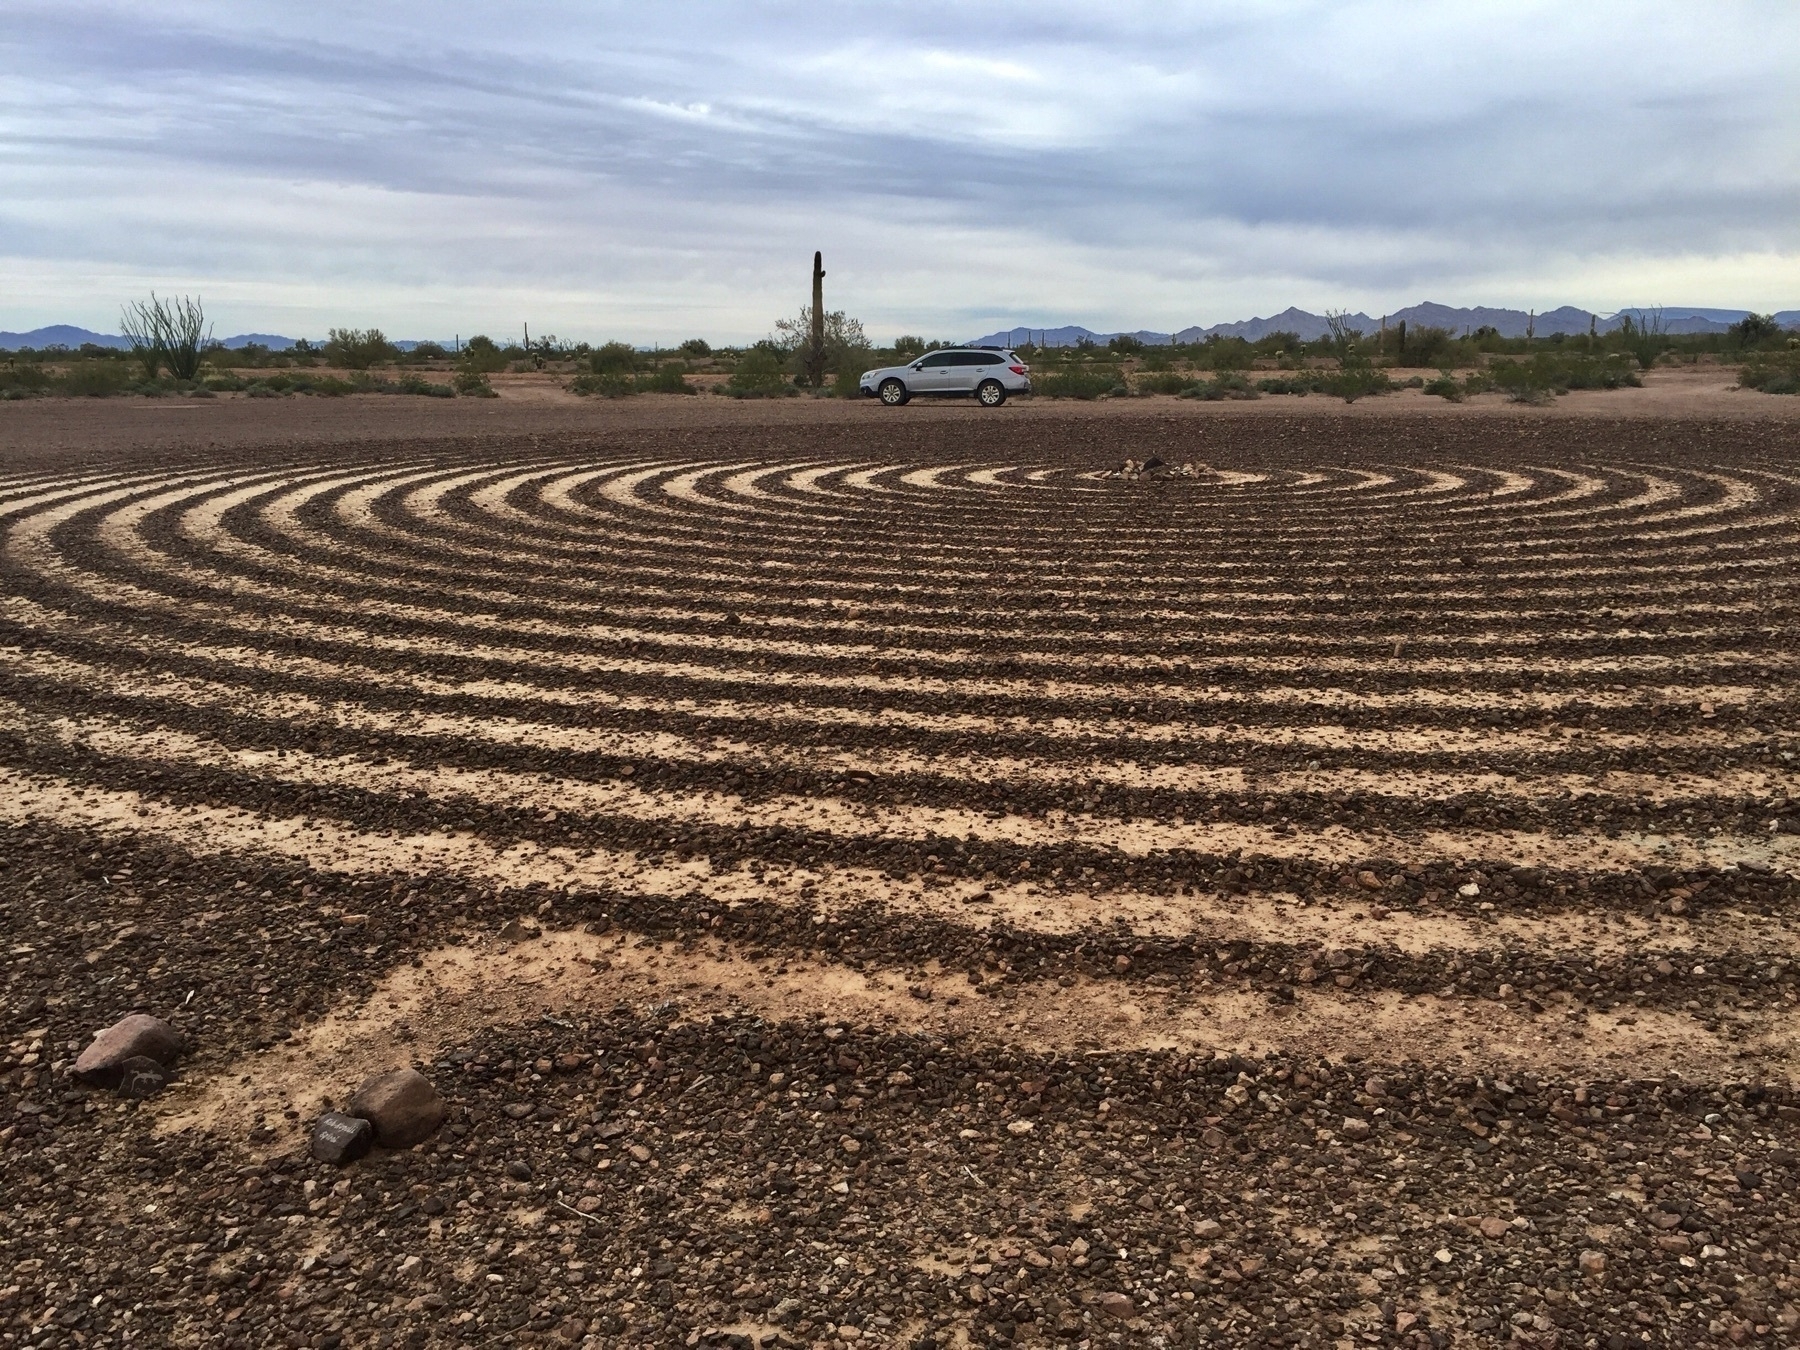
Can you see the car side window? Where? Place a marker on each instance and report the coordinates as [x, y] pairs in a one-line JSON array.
[[937, 359], [978, 359]]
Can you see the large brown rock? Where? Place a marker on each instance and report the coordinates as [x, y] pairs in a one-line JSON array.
[[139, 1036], [402, 1105]]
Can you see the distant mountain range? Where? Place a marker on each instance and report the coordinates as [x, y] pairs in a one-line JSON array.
[[1310, 327], [67, 335]]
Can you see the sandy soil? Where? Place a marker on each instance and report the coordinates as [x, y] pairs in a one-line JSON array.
[[536, 405]]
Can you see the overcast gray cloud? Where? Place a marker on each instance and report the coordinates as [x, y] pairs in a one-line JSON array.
[[659, 170]]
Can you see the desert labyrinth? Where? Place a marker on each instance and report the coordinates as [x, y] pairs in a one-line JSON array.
[[925, 899]]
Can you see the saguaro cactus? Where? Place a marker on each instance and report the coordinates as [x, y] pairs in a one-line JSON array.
[[815, 347]]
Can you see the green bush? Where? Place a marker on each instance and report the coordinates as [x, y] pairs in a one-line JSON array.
[[1226, 384], [1228, 353], [1549, 373], [480, 356], [23, 379], [473, 384], [95, 379], [615, 358], [1771, 377], [1421, 346], [696, 347], [669, 378], [413, 384], [1083, 384], [759, 375], [612, 384], [358, 348], [1354, 382], [1446, 387], [1164, 382]]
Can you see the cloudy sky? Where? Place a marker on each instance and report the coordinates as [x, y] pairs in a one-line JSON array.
[[659, 170]]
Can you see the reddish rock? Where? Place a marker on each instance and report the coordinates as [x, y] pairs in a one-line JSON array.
[[402, 1105], [139, 1036]]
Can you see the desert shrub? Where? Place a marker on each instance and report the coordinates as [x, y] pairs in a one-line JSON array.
[[1354, 382], [1772, 376], [481, 356], [23, 379], [358, 348], [427, 351], [1228, 353], [844, 344], [1446, 387], [1082, 384], [1163, 382], [95, 379], [1125, 345], [759, 375], [614, 358], [1575, 371], [908, 345], [1226, 384], [226, 383], [612, 384], [413, 384], [696, 347], [668, 378], [472, 384], [1424, 346], [1553, 372]]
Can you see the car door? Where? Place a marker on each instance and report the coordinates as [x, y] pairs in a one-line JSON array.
[[963, 369], [931, 374], [981, 365]]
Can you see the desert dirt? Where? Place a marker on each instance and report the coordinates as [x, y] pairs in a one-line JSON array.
[[870, 876]]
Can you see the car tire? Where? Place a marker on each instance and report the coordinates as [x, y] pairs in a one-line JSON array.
[[893, 393], [990, 394]]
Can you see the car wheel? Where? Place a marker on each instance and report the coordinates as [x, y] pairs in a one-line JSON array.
[[893, 393], [991, 393]]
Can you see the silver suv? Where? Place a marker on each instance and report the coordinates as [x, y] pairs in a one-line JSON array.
[[989, 375]]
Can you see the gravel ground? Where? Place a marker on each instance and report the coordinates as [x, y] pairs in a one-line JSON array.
[[890, 881]]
